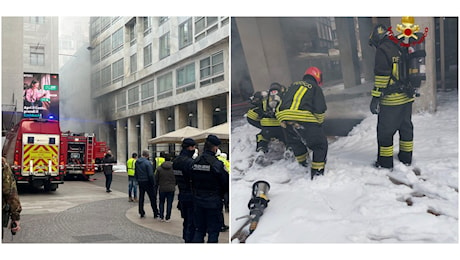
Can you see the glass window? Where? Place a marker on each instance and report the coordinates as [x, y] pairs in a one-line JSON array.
[[204, 26], [165, 85], [105, 48], [147, 25], [132, 31], [186, 75], [212, 68], [147, 55], [37, 55], [164, 45], [162, 20], [106, 76], [147, 92], [133, 63], [185, 33], [133, 97], [121, 101], [117, 40], [117, 70]]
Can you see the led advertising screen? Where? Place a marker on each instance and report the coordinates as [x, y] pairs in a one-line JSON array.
[[41, 95]]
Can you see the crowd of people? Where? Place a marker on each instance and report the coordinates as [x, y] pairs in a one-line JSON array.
[[202, 181]]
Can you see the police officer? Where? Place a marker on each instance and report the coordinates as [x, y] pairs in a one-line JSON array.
[[301, 114], [183, 164], [11, 206], [132, 183], [210, 181], [390, 100]]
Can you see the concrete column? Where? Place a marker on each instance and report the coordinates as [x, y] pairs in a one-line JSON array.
[[262, 42], [348, 53], [146, 131], [367, 52], [132, 135], [181, 116], [121, 142], [162, 122], [204, 113], [427, 99]]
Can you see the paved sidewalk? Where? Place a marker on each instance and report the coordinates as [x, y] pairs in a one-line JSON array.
[[173, 228]]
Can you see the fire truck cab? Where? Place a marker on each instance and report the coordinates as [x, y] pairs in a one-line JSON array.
[[36, 152]]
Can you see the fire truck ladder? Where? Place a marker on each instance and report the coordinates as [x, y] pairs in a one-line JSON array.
[[90, 152]]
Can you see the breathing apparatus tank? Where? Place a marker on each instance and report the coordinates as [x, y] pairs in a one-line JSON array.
[[416, 64]]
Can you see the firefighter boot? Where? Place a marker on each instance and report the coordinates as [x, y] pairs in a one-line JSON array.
[[316, 172]]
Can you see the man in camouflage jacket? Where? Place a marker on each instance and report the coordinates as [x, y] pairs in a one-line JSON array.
[[10, 199]]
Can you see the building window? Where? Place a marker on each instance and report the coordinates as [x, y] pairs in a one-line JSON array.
[[106, 76], [37, 19], [96, 80], [165, 86], [147, 25], [185, 33], [162, 20], [212, 69], [185, 78], [147, 92], [147, 55], [37, 55], [205, 26], [121, 101], [164, 45], [117, 40], [132, 33], [133, 63], [105, 48], [117, 70], [105, 23], [133, 97], [96, 54]]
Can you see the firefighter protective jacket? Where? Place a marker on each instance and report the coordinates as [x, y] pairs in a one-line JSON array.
[[389, 84], [261, 116], [303, 102]]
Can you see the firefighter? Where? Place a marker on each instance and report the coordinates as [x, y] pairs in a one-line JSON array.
[[390, 100], [262, 116], [301, 114], [132, 183]]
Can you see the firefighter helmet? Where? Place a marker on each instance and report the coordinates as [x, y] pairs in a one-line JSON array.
[[377, 35], [316, 74]]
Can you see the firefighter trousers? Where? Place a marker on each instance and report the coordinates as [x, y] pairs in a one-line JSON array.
[[266, 134], [392, 119], [315, 139]]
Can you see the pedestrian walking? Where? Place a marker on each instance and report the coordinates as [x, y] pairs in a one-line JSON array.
[[108, 162], [182, 166], [166, 182], [143, 172], [132, 182]]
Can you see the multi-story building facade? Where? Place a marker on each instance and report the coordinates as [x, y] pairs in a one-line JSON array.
[[153, 75], [29, 48]]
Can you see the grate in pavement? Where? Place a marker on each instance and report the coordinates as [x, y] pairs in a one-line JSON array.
[[96, 238]]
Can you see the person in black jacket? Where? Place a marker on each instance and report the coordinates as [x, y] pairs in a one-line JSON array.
[[183, 164], [143, 172], [391, 99], [301, 114], [210, 181], [108, 161]]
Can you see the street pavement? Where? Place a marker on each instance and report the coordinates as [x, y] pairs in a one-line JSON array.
[[82, 212]]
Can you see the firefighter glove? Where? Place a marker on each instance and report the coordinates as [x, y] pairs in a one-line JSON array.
[[374, 106]]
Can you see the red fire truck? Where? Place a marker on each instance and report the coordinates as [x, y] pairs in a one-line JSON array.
[[36, 152], [83, 154]]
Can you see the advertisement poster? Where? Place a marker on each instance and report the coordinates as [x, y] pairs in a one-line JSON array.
[[41, 99]]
